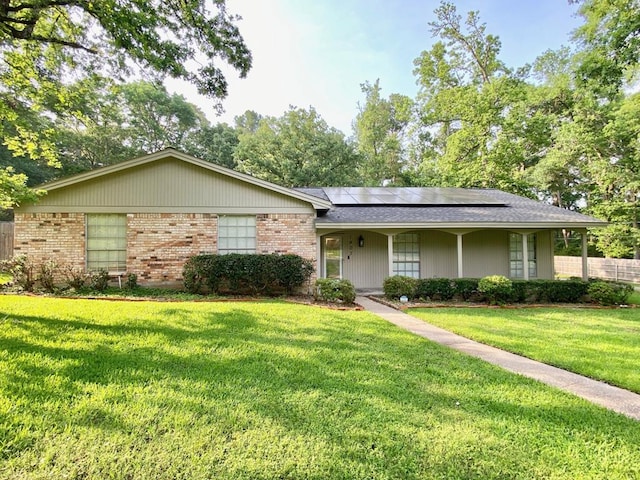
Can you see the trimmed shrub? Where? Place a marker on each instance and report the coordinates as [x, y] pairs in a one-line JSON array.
[[561, 291], [334, 290], [496, 288], [241, 274], [293, 271], [398, 285], [434, 289], [465, 288], [609, 293]]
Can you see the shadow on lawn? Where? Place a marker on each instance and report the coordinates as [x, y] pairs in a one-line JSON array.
[[347, 378]]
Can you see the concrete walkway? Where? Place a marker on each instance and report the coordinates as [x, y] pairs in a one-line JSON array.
[[613, 398]]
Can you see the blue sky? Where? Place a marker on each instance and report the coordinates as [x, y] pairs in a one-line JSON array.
[[317, 53]]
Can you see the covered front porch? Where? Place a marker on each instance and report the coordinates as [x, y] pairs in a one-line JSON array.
[[367, 256]]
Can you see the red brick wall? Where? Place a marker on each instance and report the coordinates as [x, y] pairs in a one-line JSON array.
[[51, 236], [286, 233], [158, 244]]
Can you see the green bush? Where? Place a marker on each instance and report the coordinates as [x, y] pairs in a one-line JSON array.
[[609, 293], [562, 291], [465, 288], [99, 280], [434, 289], [47, 274], [334, 290], [293, 271], [398, 285], [496, 288], [241, 274], [76, 277], [132, 281], [23, 272]]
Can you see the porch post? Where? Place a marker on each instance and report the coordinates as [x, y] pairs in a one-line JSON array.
[[319, 267], [525, 256], [585, 260], [459, 248], [390, 253]]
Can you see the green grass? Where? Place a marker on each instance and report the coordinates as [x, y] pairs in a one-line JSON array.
[[600, 343], [107, 389]]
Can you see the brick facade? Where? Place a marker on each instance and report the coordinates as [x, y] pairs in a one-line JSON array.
[[158, 244], [51, 236], [286, 233]]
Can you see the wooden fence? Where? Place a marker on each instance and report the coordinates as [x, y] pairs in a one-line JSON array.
[[6, 240], [619, 270]]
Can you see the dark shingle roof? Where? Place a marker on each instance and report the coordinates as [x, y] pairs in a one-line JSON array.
[[455, 207]]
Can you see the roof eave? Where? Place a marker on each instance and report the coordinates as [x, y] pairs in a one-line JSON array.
[[460, 225]]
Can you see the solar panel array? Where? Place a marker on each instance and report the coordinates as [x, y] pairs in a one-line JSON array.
[[417, 196]]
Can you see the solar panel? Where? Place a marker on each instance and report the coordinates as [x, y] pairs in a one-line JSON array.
[[409, 196]]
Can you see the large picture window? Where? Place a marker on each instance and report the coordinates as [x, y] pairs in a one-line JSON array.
[[516, 256], [236, 234], [106, 242], [406, 255]]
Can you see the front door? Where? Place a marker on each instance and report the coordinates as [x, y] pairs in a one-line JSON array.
[[333, 257]]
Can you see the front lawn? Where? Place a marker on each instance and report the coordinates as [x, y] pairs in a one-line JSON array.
[[111, 389], [600, 343]]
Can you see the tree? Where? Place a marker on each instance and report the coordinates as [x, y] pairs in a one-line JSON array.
[[296, 150], [471, 110], [163, 36], [156, 119], [615, 180], [215, 144], [46, 42], [380, 128], [610, 38]]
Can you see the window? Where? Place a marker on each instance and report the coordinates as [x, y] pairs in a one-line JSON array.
[[516, 256], [236, 234], [106, 242], [406, 255]]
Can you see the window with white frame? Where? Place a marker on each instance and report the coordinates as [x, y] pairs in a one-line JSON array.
[[236, 234], [516, 256], [106, 235], [406, 255]]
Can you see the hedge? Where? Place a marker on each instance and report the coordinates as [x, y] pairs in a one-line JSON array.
[[241, 274], [521, 291]]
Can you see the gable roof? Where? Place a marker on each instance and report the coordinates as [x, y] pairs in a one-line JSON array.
[[413, 207], [318, 203]]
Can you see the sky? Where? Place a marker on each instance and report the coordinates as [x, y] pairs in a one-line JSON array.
[[318, 52]]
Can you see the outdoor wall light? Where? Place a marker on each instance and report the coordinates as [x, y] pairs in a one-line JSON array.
[[361, 241]]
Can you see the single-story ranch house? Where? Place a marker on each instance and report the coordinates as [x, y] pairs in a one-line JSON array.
[[148, 215]]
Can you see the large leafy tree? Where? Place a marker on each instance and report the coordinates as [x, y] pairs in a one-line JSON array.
[[297, 149], [51, 52], [470, 108], [215, 144], [380, 130], [610, 41]]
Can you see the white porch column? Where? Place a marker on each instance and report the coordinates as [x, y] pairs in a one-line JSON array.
[[585, 260], [459, 249], [319, 267], [390, 253], [525, 256]]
